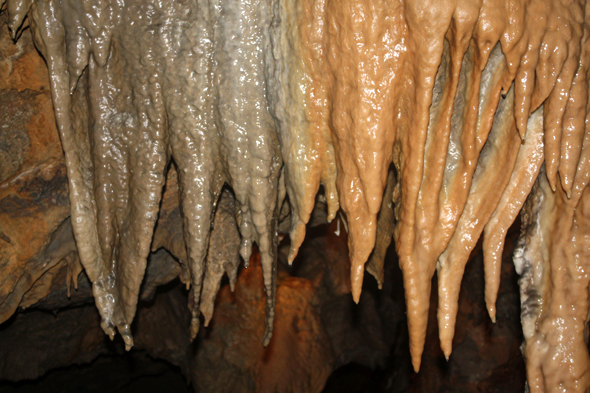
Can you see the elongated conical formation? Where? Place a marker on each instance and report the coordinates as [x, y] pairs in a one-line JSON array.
[[553, 262], [262, 103]]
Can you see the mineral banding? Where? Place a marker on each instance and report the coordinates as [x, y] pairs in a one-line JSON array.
[[431, 122]]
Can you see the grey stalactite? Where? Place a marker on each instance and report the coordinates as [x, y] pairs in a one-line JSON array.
[[49, 36], [195, 142], [17, 11], [224, 252], [250, 142]]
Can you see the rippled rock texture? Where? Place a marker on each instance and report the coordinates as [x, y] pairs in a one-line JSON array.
[[209, 127]]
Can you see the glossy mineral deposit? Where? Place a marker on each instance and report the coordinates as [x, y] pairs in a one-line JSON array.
[[263, 103]]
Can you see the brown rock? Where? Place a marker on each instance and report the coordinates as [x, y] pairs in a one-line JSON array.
[[34, 206], [231, 358]]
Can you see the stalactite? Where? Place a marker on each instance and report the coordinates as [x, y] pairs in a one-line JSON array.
[[526, 170], [553, 261], [224, 253], [385, 225]]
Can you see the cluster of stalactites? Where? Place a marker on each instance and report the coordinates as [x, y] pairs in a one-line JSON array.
[[467, 100], [276, 98], [137, 85]]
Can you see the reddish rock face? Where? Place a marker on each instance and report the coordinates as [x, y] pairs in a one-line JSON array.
[[34, 208], [298, 359]]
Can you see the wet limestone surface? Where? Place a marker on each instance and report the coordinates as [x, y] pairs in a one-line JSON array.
[[260, 104]]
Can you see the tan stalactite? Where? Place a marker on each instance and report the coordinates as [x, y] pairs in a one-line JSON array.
[[490, 178], [564, 35], [553, 261], [313, 33], [300, 146], [256, 102], [526, 169], [385, 226], [362, 38]]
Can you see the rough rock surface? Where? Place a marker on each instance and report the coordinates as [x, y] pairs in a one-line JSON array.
[[34, 205]]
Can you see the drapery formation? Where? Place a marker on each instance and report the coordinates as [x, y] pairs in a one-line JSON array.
[[261, 104]]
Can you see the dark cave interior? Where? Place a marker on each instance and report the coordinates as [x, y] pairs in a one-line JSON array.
[[373, 347]]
